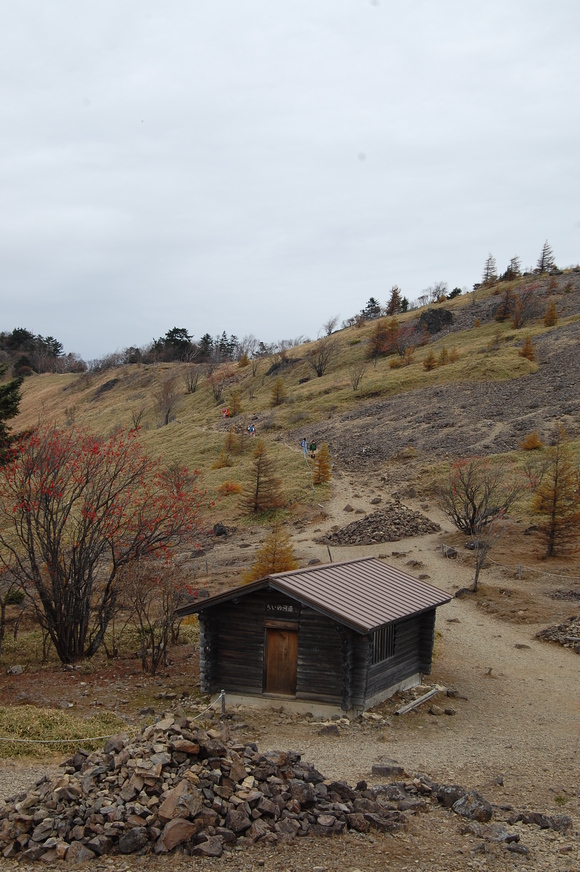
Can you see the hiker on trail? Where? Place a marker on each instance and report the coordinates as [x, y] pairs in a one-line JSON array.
[[304, 445], [252, 430]]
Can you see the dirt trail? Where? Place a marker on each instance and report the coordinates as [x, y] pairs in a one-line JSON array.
[[521, 718]]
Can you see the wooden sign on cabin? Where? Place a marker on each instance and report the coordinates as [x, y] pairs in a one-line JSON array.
[[338, 637]]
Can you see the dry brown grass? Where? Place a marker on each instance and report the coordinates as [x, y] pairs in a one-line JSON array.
[[41, 732]]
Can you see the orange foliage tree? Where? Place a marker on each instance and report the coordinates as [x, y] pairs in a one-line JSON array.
[[322, 466], [557, 500], [275, 555], [74, 510]]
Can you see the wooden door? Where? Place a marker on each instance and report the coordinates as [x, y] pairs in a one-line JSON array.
[[281, 661]]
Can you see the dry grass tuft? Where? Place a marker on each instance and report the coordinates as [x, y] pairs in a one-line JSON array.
[[52, 727]]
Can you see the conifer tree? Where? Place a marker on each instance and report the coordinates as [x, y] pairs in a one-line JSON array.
[[263, 490], [9, 402], [557, 500], [551, 315], [394, 306], [489, 276], [322, 467], [546, 261], [275, 555], [279, 392]]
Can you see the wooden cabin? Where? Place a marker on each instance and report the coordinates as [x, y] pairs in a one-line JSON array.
[[338, 637]]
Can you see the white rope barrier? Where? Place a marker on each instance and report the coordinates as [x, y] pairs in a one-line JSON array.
[[220, 698]]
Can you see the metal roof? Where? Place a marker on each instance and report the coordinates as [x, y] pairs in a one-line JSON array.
[[363, 594]]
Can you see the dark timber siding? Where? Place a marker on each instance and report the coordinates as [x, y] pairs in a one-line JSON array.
[[333, 660], [413, 647], [319, 658], [234, 659]]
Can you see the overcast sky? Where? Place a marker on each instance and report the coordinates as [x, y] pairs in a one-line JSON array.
[[258, 166]]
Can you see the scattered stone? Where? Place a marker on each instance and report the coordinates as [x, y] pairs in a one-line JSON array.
[[566, 634], [329, 730], [220, 529], [388, 770], [474, 807], [17, 669], [436, 710]]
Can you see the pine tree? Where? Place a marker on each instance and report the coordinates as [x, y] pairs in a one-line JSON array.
[[263, 490], [275, 555], [9, 401], [557, 500], [322, 466], [546, 262]]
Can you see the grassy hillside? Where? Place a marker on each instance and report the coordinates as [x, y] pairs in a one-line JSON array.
[[478, 349]]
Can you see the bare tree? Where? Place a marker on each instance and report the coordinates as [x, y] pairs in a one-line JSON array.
[[524, 306], [219, 380], [330, 325], [154, 589], [476, 493], [166, 397], [320, 356], [10, 592], [191, 378], [488, 534], [356, 373], [137, 417]]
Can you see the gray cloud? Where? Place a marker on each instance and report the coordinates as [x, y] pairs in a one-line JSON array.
[[200, 165]]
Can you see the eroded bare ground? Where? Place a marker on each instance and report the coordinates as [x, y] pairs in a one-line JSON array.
[[514, 733], [467, 418]]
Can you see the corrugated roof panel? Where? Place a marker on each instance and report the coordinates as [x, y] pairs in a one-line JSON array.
[[364, 593]]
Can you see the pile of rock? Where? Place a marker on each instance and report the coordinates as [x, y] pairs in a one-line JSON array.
[[393, 522], [566, 634], [175, 784]]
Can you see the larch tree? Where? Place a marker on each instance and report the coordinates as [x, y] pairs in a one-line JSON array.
[[274, 555], [74, 510], [546, 261], [262, 492], [489, 276], [278, 393], [394, 306], [322, 466], [557, 499]]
